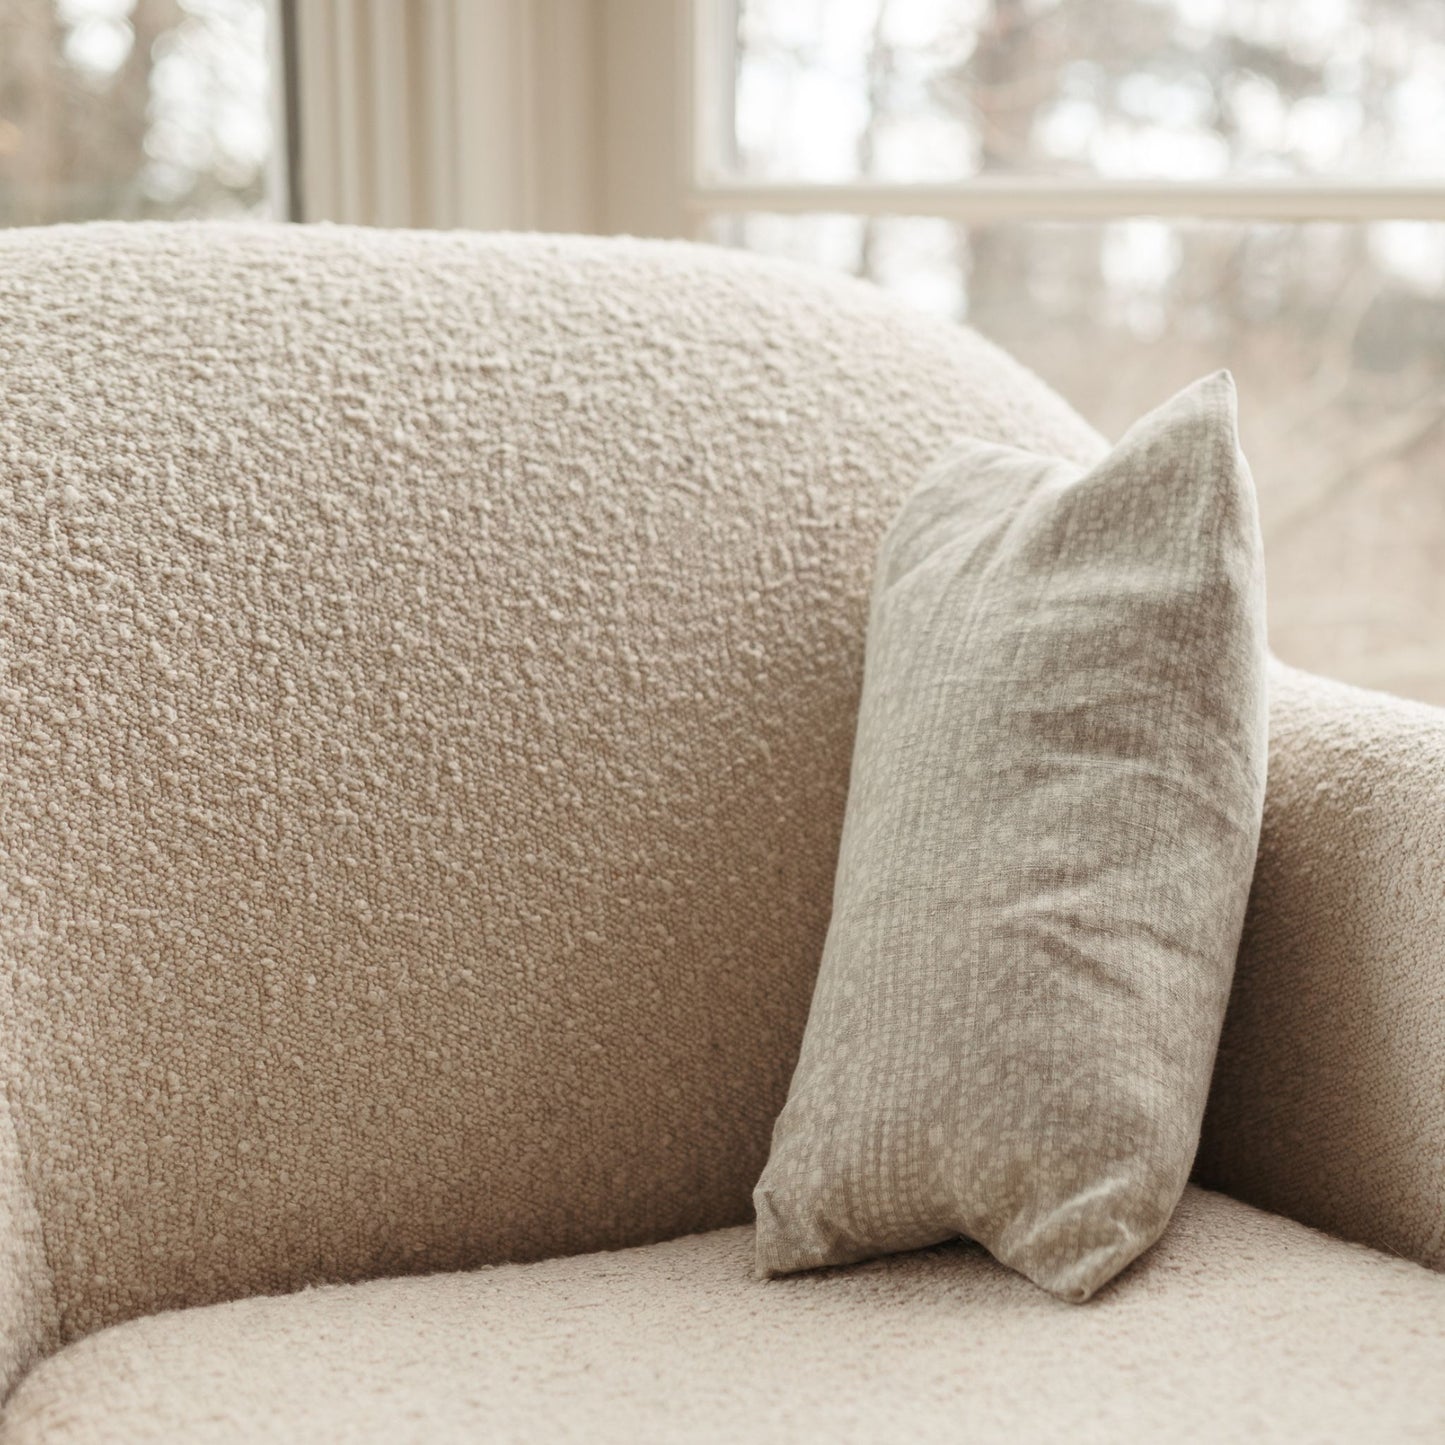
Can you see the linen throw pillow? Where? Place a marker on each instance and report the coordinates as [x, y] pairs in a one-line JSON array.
[[1051, 827]]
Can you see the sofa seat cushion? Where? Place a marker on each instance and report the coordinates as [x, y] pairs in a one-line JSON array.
[[1238, 1325]]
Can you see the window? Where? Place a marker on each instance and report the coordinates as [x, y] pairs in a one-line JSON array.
[[1126, 194], [137, 109]]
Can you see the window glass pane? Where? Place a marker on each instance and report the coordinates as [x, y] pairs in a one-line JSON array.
[[134, 108], [1335, 335], [838, 90]]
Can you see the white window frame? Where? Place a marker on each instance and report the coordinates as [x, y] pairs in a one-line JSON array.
[[991, 199], [607, 116]]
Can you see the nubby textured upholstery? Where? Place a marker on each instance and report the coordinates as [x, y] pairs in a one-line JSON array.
[[1329, 1094], [428, 675], [1238, 1325]]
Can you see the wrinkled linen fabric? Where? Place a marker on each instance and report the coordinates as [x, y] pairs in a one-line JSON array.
[[1238, 1326], [1052, 822]]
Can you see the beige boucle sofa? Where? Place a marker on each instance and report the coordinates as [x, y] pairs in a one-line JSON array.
[[429, 670]]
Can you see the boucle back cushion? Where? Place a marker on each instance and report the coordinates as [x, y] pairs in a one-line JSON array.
[[430, 664], [1051, 828]]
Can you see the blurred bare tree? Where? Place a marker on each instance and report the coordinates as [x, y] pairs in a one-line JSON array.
[[132, 109]]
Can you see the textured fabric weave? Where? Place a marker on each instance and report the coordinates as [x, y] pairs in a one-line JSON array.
[[429, 668], [1328, 1100], [1051, 827], [1239, 1326]]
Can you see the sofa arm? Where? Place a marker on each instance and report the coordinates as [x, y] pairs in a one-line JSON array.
[[1328, 1102]]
